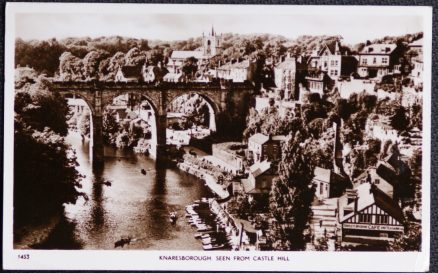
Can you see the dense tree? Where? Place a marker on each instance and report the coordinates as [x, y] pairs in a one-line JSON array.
[[322, 244], [189, 68], [399, 119], [416, 116], [410, 240], [373, 151], [291, 195], [70, 67], [135, 57], [40, 108], [43, 56], [110, 126], [114, 63], [44, 166], [91, 64]]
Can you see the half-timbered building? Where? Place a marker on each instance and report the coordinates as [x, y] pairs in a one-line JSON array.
[[369, 216]]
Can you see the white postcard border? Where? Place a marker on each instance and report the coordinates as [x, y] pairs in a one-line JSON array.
[[135, 259]]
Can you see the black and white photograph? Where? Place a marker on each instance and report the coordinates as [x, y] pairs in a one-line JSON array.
[[235, 135]]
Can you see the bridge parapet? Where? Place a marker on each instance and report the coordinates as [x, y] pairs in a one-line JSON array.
[[224, 97]]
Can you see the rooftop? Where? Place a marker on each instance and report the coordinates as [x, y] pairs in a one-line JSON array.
[[184, 54], [259, 138], [260, 168], [250, 188], [417, 43], [236, 65], [378, 49], [288, 63], [368, 195], [322, 174]]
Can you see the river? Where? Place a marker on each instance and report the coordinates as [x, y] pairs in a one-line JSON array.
[[135, 205]]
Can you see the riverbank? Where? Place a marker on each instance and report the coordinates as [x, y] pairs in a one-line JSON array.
[[28, 236], [210, 181]]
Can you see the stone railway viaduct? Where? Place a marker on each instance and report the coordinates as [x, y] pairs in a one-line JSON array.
[[225, 98]]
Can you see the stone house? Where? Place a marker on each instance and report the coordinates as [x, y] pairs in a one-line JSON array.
[[262, 147], [285, 77], [260, 178], [377, 60], [328, 183], [333, 59], [238, 71]]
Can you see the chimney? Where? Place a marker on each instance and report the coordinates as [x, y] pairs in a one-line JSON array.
[[337, 47], [355, 204], [352, 197]]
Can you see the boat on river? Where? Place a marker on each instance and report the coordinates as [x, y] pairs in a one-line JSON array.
[[173, 217]]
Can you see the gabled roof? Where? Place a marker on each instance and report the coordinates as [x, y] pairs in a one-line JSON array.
[[250, 188], [393, 160], [172, 77], [332, 46], [387, 172], [237, 65], [259, 138], [322, 174], [368, 194], [386, 203], [288, 63], [417, 43], [184, 54], [279, 138], [378, 49], [260, 168]]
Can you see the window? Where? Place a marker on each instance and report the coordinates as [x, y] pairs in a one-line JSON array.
[[384, 60], [347, 211], [377, 181], [374, 60], [364, 61], [364, 218], [382, 219], [321, 188]]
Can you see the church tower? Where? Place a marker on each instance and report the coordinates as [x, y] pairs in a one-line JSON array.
[[212, 43]]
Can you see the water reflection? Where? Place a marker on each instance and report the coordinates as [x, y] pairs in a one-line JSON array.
[[134, 205], [61, 237]]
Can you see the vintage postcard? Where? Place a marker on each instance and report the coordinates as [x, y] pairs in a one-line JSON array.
[[217, 137]]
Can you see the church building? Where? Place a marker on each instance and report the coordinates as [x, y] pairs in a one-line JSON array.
[[211, 46]]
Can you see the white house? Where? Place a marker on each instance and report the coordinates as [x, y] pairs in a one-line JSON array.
[[376, 60], [260, 178], [238, 71]]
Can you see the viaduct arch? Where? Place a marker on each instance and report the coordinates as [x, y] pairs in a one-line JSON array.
[[224, 97]]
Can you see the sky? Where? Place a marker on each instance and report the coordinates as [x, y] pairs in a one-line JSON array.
[[353, 28]]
